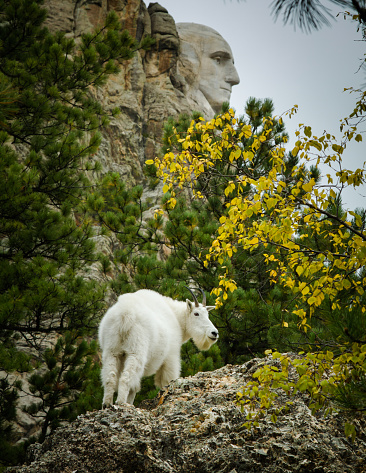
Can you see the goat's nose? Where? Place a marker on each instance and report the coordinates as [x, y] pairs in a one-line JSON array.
[[215, 334]]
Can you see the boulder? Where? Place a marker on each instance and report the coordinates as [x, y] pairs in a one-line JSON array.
[[194, 425]]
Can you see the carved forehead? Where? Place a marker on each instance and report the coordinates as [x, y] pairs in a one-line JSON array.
[[203, 39]]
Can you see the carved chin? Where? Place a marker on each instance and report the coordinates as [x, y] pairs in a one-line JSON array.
[[204, 343]]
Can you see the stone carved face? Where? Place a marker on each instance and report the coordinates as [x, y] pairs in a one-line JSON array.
[[207, 63]]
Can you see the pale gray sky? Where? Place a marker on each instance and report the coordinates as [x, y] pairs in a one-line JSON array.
[[288, 66]]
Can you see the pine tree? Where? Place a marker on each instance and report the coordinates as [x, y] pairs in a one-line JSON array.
[[49, 125], [312, 14]]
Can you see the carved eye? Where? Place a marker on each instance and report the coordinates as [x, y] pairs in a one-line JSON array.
[[196, 314], [217, 59]]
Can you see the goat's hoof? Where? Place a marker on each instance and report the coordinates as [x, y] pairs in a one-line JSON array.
[[120, 405]]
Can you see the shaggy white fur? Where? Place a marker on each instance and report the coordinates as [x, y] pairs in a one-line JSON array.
[[142, 334]]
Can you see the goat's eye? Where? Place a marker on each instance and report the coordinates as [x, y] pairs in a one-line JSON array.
[[196, 314]]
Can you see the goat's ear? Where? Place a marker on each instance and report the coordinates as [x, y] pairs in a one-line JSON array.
[[210, 307], [189, 305]]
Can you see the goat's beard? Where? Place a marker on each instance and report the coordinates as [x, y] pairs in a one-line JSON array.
[[203, 343]]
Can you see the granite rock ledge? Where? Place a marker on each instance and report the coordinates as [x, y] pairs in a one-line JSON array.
[[194, 424]]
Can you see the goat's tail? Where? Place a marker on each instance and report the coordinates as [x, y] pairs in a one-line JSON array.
[[126, 307], [118, 321]]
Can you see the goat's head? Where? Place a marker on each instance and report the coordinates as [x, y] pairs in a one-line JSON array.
[[198, 325]]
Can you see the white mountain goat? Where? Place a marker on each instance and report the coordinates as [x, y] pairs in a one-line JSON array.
[[142, 334]]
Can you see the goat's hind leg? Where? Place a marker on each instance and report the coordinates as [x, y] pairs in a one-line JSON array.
[[130, 379], [110, 375]]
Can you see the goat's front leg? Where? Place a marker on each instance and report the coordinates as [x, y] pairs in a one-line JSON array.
[[168, 371], [131, 396]]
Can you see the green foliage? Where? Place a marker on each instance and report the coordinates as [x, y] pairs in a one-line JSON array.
[[328, 379], [147, 391], [69, 373], [194, 361], [10, 455]]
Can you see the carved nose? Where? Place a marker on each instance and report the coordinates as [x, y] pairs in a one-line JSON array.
[[215, 334], [232, 78]]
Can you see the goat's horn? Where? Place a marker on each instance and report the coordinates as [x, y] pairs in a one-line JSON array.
[[194, 297], [203, 297]]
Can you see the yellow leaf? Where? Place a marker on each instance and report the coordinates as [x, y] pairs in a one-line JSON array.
[[346, 284], [248, 155], [172, 202], [270, 203], [337, 148], [316, 145], [295, 151], [235, 155], [308, 186]]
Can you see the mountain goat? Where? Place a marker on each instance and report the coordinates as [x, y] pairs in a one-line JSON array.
[[142, 335]]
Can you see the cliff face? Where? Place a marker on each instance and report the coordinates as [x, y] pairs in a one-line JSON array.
[[193, 425], [147, 90]]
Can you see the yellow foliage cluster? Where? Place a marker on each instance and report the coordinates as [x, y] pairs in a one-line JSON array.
[[280, 210]]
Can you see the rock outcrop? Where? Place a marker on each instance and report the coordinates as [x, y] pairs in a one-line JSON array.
[[148, 89], [193, 425]]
